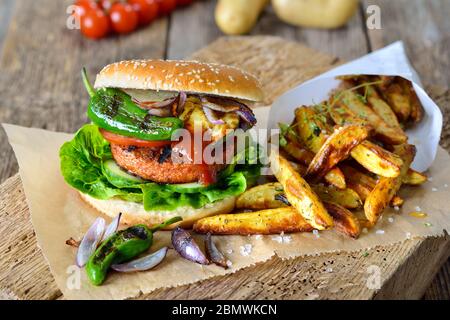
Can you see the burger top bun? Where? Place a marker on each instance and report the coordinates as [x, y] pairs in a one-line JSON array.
[[188, 76]]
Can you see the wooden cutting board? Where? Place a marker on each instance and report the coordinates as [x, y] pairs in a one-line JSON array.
[[406, 269]]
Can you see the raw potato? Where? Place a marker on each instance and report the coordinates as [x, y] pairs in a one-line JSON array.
[[300, 194], [327, 14], [236, 17], [271, 221]]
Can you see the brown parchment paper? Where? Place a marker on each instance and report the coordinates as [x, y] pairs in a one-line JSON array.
[[57, 213]]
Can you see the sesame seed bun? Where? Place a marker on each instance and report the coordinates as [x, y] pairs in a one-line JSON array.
[[188, 76], [134, 213]]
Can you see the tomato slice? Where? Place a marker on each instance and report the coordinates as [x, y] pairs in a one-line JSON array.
[[130, 141]]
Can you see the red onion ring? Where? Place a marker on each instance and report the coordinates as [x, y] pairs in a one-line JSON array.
[[145, 263], [209, 113], [244, 112], [90, 241], [155, 104]]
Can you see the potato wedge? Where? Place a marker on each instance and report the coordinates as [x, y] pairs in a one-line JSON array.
[[382, 108], [377, 160], [336, 178], [265, 196], [386, 188], [300, 194], [335, 149], [298, 153], [398, 100], [347, 198], [311, 128], [417, 111], [343, 115], [344, 221], [271, 221], [303, 156], [383, 131], [261, 197], [363, 184], [414, 178]]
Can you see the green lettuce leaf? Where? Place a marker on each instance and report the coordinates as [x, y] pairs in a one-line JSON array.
[[82, 161]]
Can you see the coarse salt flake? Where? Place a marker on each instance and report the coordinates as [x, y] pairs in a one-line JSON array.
[[229, 264], [246, 249], [397, 208], [390, 219], [418, 208], [434, 189]]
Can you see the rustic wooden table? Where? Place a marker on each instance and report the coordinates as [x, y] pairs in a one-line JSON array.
[[32, 33]]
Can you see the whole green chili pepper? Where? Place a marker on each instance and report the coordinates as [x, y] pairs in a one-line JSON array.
[[113, 110], [121, 246]]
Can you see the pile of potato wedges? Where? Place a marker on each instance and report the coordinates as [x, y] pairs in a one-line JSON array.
[[337, 157]]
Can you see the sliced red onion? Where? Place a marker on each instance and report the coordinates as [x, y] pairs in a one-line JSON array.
[[229, 105], [112, 227], [145, 263], [160, 112], [211, 104], [182, 97], [90, 241], [185, 245], [155, 104], [209, 113], [213, 253]]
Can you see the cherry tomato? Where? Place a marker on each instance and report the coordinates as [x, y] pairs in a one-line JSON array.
[[123, 17], [95, 24], [166, 6], [83, 6], [147, 10], [184, 2], [130, 141]]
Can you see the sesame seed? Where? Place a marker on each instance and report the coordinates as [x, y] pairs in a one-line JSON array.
[[418, 208], [434, 189], [397, 208], [230, 251], [229, 264], [408, 235], [258, 237], [445, 185], [379, 231], [390, 219]]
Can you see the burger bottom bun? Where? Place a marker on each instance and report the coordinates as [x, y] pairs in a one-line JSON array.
[[134, 213]]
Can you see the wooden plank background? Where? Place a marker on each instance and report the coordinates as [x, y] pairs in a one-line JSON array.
[[30, 75]]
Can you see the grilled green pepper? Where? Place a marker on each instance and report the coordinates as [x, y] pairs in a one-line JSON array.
[[121, 246], [113, 110]]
